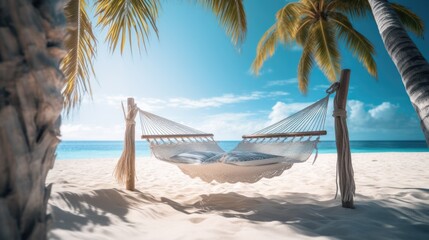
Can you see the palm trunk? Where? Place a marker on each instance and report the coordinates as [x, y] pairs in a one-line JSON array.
[[412, 66], [31, 34]]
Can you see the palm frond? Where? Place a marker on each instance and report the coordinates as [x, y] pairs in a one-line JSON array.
[[265, 49], [127, 18], [81, 48], [326, 51], [409, 19], [311, 5], [287, 20], [231, 16], [353, 8], [305, 65], [356, 42], [303, 29]]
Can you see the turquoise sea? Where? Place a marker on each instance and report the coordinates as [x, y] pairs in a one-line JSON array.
[[113, 149]]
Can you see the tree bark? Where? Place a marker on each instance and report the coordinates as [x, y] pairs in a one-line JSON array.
[[31, 34], [412, 66]]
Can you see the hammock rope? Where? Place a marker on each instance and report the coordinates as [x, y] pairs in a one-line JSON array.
[[310, 121], [155, 127]]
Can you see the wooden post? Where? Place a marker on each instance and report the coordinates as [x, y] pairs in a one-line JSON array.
[[344, 164], [130, 184]]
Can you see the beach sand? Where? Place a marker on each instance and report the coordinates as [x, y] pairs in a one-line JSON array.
[[392, 202]]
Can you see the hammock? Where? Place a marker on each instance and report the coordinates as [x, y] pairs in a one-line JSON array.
[[264, 154]]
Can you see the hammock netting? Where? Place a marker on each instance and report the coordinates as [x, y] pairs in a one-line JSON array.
[[264, 154]]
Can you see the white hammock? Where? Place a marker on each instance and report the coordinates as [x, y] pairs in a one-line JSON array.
[[264, 154]]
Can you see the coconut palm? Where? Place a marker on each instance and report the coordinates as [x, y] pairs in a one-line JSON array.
[[392, 21], [30, 108], [124, 20], [316, 26], [31, 85], [410, 62]]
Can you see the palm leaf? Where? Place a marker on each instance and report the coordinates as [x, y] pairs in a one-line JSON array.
[[325, 48], [127, 18], [409, 19], [265, 49], [359, 44], [305, 65], [81, 47], [231, 16], [288, 18], [303, 29], [353, 8]]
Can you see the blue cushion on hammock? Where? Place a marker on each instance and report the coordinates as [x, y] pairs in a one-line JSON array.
[[250, 158], [197, 157]]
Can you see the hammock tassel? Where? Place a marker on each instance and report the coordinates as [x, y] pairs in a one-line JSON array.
[[317, 150], [345, 175], [125, 168]]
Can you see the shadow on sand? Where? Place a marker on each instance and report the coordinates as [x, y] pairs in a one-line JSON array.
[[93, 207], [372, 219]]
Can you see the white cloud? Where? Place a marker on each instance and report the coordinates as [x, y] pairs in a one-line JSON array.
[[383, 118], [321, 87], [284, 82], [295, 47], [221, 100], [282, 110], [149, 104], [231, 126], [92, 131], [72, 128], [356, 113], [326, 86], [260, 72], [214, 101], [181, 102], [384, 111]]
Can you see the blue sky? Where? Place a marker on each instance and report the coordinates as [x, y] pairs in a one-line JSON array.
[[194, 75]]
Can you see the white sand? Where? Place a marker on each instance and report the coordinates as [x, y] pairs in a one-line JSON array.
[[392, 202]]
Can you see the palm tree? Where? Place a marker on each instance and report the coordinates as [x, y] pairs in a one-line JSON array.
[[123, 19], [315, 25], [31, 85], [392, 19], [30, 108], [411, 65]]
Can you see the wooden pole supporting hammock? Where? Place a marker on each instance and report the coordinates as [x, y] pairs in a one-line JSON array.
[[344, 160], [125, 169]]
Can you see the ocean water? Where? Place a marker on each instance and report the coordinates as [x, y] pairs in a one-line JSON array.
[[113, 149]]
